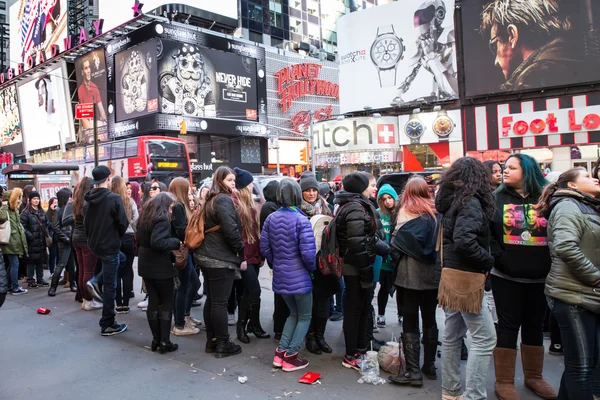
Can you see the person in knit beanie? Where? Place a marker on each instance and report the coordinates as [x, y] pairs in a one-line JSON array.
[[312, 203]]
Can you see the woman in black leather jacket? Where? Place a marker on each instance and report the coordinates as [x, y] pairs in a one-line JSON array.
[[62, 238]]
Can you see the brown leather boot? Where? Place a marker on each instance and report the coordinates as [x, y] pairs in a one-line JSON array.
[[504, 364], [533, 364]]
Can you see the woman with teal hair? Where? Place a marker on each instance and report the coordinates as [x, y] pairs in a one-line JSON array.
[[522, 262]]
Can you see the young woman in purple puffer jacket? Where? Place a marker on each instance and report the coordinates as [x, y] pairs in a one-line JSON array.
[[288, 244]]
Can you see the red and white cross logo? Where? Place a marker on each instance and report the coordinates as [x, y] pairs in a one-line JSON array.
[[385, 134]]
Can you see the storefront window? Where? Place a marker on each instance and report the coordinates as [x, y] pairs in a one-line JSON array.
[[219, 149]]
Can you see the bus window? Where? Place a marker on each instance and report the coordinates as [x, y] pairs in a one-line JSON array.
[[104, 152], [118, 149], [131, 148], [163, 148]]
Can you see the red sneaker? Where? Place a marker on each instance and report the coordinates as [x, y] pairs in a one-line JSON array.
[[278, 359], [291, 362], [351, 361]]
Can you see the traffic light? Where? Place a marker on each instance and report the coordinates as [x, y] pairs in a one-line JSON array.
[[182, 128], [303, 156]]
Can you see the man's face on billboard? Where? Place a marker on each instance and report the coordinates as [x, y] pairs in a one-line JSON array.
[[504, 50], [86, 71]]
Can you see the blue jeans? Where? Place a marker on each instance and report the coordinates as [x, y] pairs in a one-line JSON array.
[[13, 265], [189, 283], [483, 334], [298, 322], [53, 250], [110, 267], [580, 331]]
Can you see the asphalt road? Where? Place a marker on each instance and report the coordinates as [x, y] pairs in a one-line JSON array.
[[63, 356]]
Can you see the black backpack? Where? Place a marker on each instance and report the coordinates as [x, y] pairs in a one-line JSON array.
[[329, 258]]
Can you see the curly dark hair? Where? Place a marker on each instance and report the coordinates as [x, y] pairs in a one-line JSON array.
[[468, 177]]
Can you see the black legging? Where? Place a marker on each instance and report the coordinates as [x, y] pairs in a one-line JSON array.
[[281, 312], [426, 300], [357, 311], [218, 283], [160, 295], [125, 273], [250, 293], [385, 286], [520, 306]]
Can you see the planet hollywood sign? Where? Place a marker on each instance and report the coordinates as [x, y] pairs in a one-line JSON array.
[[301, 80], [70, 42]]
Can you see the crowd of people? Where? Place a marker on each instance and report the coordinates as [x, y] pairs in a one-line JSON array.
[[503, 250]]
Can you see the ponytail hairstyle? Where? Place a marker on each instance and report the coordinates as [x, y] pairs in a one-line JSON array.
[[543, 207]]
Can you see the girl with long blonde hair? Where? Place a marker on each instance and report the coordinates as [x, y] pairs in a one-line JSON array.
[[125, 273], [249, 298], [188, 277]]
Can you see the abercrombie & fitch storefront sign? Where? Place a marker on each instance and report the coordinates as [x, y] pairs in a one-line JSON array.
[[356, 134]]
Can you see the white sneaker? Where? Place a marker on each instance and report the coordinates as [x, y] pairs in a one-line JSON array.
[[143, 304], [97, 305], [185, 331], [91, 305], [231, 321], [191, 321]]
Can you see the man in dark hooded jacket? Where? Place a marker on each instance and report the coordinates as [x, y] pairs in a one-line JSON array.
[[105, 222]]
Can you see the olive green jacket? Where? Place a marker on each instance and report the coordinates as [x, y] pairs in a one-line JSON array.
[[18, 243], [574, 241]]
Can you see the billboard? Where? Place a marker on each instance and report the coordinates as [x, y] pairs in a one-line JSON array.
[[35, 25], [524, 46], [399, 53], [136, 81], [200, 82], [430, 127], [91, 88], [10, 123], [116, 13], [356, 135], [46, 115]]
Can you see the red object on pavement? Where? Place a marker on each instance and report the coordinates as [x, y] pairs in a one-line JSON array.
[[309, 378], [44, 311]]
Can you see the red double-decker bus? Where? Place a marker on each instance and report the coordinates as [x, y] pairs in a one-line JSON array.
[[140, 158]]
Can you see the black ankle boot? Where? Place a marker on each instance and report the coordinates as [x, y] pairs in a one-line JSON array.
[[254, 326], [211, 345], [226, 348], [53, 286], [311, 344], [242, 322], [325, 348], [165, 333], [412, 350], [73, 287], [241, 331], [52, 291], [430, 343], [154, 323]]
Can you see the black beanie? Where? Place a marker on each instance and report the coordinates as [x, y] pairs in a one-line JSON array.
[[33, 194], [308, 181], [356, 182], [242, 178]]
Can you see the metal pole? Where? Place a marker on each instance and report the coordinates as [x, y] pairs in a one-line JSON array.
[[95, 137], [311, 143], [278, 166]]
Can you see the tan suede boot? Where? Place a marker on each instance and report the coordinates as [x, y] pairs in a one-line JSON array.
[[504, 364], [533, 365]]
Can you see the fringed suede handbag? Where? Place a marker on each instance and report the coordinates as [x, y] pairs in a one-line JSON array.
[[459, 290]]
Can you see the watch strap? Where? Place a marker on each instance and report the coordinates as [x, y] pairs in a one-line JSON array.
[[382, 30], [387, 77]]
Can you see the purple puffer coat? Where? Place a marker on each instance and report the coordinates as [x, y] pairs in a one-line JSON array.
[[288, 244]]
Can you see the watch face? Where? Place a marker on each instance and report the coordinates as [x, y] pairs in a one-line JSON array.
[[387, 50], [414, 129], [443, 126]]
